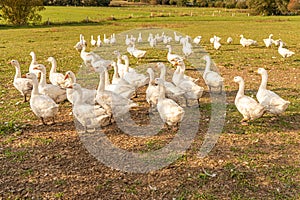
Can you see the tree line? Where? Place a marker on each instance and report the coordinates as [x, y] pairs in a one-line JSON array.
[[25, 11]]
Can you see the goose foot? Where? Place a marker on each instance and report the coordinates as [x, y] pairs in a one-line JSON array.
[[44, 123]]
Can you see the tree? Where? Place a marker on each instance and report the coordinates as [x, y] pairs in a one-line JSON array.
[[294, 6], [21, 11], [269, 7]]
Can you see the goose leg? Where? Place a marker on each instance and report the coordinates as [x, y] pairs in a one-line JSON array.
[[198, 103], [53, 121], [25, 100], [43, 121]]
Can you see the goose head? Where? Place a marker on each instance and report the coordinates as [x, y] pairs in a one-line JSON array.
[[241, 36], [40, 67], [159, 65], [50, 59], [99, 69], [261, 71], [32, 53], [69, 74], [237, 79], [14, 63], [158, 81], [124, 57], [31, 76]]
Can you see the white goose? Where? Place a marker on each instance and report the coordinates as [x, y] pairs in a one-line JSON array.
[[140, 39], [211, 78], [54, 77], [172, 57], [110, 101], [246, 105], [197, 39], [89, 116], [85, 56], [284, 52], [247, 42], [113, 39], [268, 41], [132, 77], [187, 48], [23, 85], [177, 37], [88, 95], [78, 46], [93, 41], [33, 64], [122, 88], [99, 42], [53, 91], [217, 44], [170, 112], [152, 91], [192, 90], [122, 67], [41, 105], [172, 90], [106, 40], [229, 40], [269, 99], [137, 53]]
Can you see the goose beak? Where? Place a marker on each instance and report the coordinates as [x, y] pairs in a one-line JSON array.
[[9, 62], [23, 76], [70, 86], [66, 77]]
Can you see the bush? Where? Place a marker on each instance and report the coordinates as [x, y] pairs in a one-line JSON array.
[[294, 6], [20, 12], [269, 7]]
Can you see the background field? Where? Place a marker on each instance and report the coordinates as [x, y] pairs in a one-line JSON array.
[[259, 161]]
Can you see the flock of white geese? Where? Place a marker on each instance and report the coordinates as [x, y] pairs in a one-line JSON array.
[[113, 98]]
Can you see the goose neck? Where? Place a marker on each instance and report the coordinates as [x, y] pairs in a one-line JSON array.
[[116, 74], [106, 78], [208, 63], [101, 86], [162, 91], [163, 72], [264, 80], [53, 66], [35, 89], [18, 72], [241, 88], [78, 99], [43, 77]]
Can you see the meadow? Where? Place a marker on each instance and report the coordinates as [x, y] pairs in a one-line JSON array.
[[258, 161]]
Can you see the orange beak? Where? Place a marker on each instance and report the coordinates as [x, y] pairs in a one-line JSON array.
[[66, 77]]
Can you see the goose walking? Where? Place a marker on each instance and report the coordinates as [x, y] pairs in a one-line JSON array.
[[53, 91], [170, 112], [284, 52], [23, 85], [246, 105], [269, 99], [89, 116], [88, 95], [268, 41], [41, 105], [54, 77], [211, 78]]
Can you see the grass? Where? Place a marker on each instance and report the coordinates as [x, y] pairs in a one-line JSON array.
[[254, 159]]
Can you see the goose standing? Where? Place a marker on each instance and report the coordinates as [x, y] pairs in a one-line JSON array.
[[137, 53], [284, 52], [122, 87], [113, 39], [172, 91], [187, 48], [99, 42], [269, 99], [172, 57], [211, 78], [229, 40], [88, 96], [78, 46], [152, 91], [170, 112], [132, 77], [197, 40], [140, 39], [106, 40], [192, 90], [53, 91], [247, 42], [113, 103], [41, 105], [23, 85], [85, 56], [217, 44], [268, 41], [89, 116], [54, 77], [177, 37], [246, 105], [33, 64], [93, 41]]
